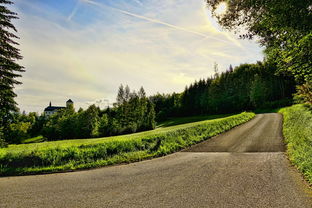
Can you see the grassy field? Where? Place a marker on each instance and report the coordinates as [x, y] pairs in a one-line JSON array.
[[297, 130], [88, 153], [190, 119]]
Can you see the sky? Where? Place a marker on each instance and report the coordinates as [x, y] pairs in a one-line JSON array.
[[85, 49]]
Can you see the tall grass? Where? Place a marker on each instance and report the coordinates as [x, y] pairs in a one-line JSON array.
[[297, 130], [89, 153]]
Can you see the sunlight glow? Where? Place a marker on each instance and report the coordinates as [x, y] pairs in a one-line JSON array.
[[221, 8]]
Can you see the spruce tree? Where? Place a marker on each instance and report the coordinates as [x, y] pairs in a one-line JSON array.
[[9, 68]]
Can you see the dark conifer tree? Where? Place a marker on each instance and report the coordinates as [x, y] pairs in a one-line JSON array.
[[9, 68]]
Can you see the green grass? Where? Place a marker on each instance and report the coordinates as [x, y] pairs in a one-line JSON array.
[[297, 130], [184, 120], [34, 140], [89, 153]]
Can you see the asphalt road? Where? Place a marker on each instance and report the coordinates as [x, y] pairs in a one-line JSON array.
[[244, 167]]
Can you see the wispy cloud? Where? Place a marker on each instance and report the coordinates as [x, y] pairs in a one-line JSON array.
[[74, 11], [138, 2], [157, 21], [87, 61]]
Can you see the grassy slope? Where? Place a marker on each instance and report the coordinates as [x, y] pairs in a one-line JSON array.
[[88, 153], [297, 130], [184, 120]]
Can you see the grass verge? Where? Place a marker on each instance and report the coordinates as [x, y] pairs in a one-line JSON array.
[[34, 140], [190, 119], [297, 130], [89, 153]]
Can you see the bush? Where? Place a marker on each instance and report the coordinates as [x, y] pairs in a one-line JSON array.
[[297, 130], [3, 143], [18, 132]]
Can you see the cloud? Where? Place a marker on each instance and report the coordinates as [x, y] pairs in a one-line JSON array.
[[158, 22], [74, 11], [87, 61], [138, 2]]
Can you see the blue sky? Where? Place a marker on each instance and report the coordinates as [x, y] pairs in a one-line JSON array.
[[83, 49]]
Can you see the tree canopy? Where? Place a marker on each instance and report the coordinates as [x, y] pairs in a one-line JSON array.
[[283, 27]]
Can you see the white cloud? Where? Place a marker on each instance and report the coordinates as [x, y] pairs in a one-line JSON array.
[[157, 50]]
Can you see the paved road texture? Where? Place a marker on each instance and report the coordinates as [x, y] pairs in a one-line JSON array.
[[245, 167]]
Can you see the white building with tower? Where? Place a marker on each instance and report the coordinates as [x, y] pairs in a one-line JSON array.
[[50, 110]]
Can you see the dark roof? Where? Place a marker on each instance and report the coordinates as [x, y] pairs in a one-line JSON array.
[[53, 108], [69, 101]]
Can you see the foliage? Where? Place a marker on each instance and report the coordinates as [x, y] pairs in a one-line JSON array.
[[247, 87], [103, 125], [133, 112], [2, 141], [18, 131], [283, 27], [272, 21], [258, 91], [88, 153], [304, 93], [297, 130], [9, 68]]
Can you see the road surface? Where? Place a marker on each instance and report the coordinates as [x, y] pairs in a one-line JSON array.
[[245, 167]]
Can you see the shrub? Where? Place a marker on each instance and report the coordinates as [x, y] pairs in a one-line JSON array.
[[297, 130]]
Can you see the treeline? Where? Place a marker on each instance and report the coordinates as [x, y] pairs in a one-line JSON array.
[[133, 112], [247, 87]]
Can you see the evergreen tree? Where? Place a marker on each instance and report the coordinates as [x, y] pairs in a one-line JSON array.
[[127, 93], [121, 95], [258, 92], [231, 68], [9, 68], [141, 93], [103, 125]]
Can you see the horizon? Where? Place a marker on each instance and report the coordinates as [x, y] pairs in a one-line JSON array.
[[84, 50]]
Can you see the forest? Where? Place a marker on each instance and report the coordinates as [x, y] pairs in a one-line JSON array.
[[132, 112], [245, 88]]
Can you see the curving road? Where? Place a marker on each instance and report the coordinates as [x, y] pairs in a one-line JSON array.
[[244, 167]]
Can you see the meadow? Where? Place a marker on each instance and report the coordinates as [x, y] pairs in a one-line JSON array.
[[68, 155], [297, 130]]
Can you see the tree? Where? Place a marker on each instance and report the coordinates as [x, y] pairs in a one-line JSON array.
[[103, 125], [258, 92], [87, 122], [9, 68], [142, 93], [304, 93], [231, 68], [121, 95], [18, 131], [271, 20], [283, 27], [216, 70]]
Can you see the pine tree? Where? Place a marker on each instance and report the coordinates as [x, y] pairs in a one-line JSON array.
[[141, 93], [9, 68], [121, 95]]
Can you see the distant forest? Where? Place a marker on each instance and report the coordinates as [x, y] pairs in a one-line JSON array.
[[245, 88]]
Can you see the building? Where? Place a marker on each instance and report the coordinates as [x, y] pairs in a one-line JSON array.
[[50, 110]]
